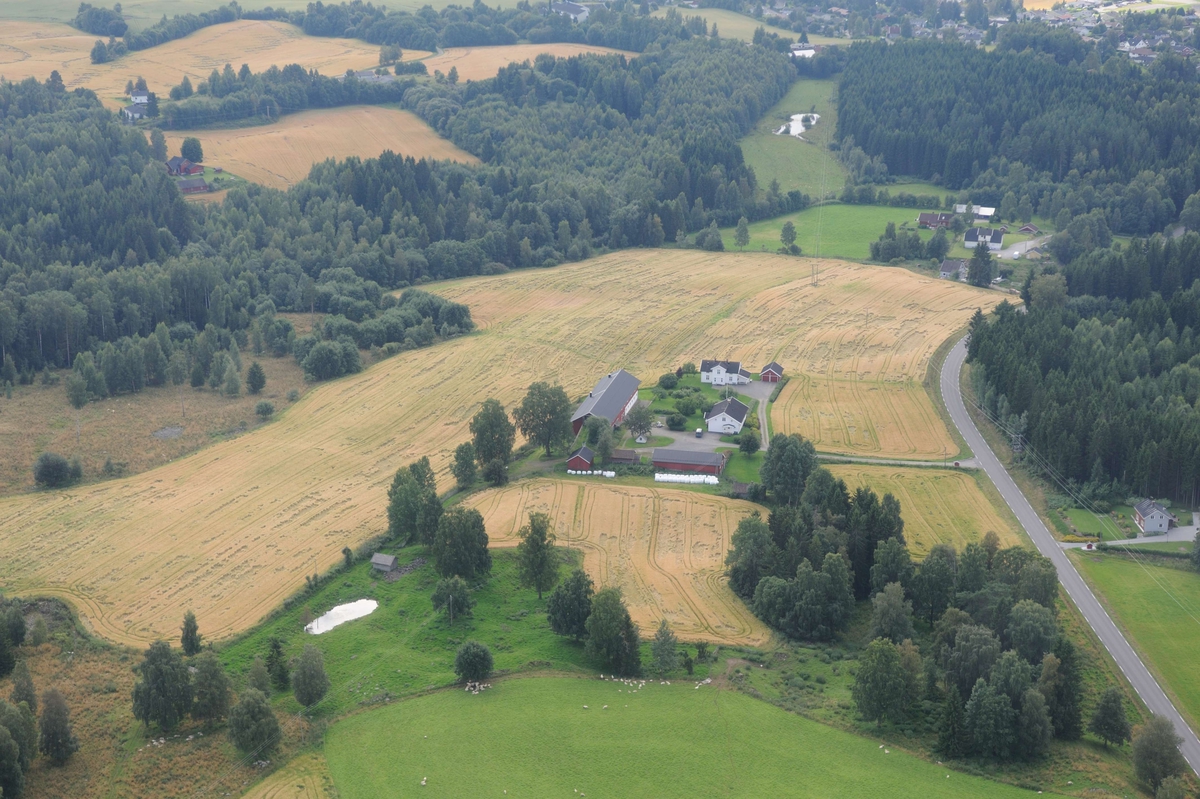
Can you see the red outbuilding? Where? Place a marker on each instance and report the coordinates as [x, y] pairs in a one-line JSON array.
[[581, 460], [682, 460], [771, 373]]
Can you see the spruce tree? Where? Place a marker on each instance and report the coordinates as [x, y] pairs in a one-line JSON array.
[[953, 738], [665, 649], [57, 740], [256, 379], [277, 666], [190, 638], [23, 690]]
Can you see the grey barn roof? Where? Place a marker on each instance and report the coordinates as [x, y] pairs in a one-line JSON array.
[[773, 367], [731, 406], [583, 452], [609, 396], [382, 561], [688, 457]]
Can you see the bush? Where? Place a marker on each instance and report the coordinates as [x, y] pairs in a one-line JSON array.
[[265, 409], [668, 381], [53, 471], [473, 662], [676, 422], [293, 395], [686, 406], [496, 472], [253, 726]]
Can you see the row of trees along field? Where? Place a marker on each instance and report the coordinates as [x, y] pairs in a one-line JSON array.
[[621, 25], [228, 96], [96, 243], [1063, 126]]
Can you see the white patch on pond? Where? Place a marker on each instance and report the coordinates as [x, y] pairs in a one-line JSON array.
[[799, 124], [341, 614]]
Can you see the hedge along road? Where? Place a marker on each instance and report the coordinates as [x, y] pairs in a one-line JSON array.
[[1120, 650]]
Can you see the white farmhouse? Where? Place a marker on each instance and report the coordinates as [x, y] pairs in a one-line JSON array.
[[727, 417], [575, 11], [1152, 518], [723, 373]]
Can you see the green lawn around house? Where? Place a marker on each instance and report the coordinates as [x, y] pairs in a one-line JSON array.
[[579, 737]]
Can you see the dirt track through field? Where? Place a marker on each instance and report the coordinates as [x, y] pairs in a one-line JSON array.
[[664, 548], [232, 530]]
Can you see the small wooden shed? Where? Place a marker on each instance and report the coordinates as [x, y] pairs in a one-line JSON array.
[[382, 562]]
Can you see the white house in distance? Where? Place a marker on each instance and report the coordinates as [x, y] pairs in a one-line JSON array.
[[723, 373], [982, 212], [140, 98], [1152, 518], [993, 237], [727, 417]]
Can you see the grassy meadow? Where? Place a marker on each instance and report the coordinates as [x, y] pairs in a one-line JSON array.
[[829, 231], [1158, 609], [808, 166], [657, 740]]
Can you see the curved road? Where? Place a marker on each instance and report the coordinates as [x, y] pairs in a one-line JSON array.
[[1135, 671]]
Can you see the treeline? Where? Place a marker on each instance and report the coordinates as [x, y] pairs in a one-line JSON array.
[[228, 96], [618, 26], [1061, 137], [908, 246], [1105, 390], [803, 568], [99, 21], [179, 26]]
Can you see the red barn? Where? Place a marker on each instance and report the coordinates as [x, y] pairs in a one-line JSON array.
[[581, 460], [771, 373], [682, 460]]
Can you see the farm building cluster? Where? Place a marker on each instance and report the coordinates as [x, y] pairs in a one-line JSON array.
[[616, 394]]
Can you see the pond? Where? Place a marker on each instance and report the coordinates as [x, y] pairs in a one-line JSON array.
[[340, 615]]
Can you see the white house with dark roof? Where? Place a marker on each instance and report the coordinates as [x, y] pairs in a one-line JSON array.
[[727, 417], [992, 237], [723, 373], [1152, 518], [575, 11], [614, 395]]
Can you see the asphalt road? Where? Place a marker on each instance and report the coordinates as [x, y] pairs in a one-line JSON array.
[[1128, 661]]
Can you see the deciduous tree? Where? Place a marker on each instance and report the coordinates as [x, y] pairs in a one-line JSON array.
[[612, 637], [1109, 723], [891, 614], [460, 544], [1156, 752], [665, 649], [413, 505], [881, 686], [537, 563], [473, 662], [464, 468], [23, 690], [309, 680], [212, 689], [452, 595], [492, 433], [253, 726], [544, 416], [163, 695], [570, 605]]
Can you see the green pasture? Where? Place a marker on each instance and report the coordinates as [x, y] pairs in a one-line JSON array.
[[732, 25], [404, 647], [808, 166], [1158, 608], [535, 737], [846, 231], [741, 467]]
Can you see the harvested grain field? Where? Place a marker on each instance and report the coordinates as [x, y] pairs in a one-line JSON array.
[[34, 49], [281, 154], [939, 506], [233, 529], [480, 63], [664, 548]]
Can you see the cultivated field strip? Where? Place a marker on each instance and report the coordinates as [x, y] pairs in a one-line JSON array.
[[33, 49], [481, 63], [940, 506], [664, 548], [232, 530], [282, 154]]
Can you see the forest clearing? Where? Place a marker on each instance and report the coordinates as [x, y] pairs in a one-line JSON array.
[[281, 154], [34, 49], [664, 548], [231, 531], [939, 506], [480, 63]]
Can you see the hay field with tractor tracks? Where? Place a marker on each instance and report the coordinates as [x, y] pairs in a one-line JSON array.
[[33, 49], [481, 63], [232, 530], [282, 154], [664, 548]]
